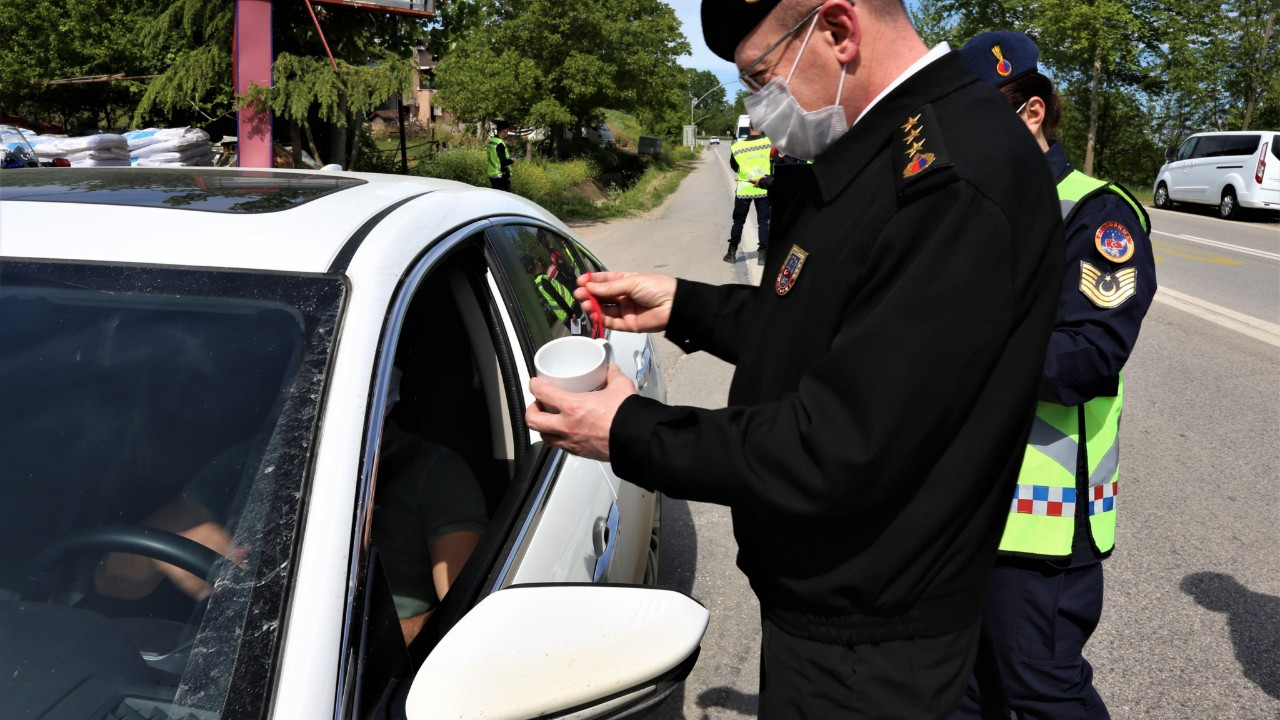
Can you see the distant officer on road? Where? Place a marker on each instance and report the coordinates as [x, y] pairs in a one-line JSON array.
[[751, 159], [886, 369], [499, 165], [1044, 598]]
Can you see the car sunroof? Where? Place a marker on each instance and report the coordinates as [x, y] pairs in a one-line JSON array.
[[195, 188]]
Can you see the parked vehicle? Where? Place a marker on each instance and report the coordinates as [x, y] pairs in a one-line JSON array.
[[743, 127], [1230, 170], [237, 340]]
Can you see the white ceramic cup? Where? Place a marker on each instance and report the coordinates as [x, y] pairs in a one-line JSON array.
[[574, 363]]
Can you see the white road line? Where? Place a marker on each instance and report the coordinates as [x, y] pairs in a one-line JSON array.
[[1244, 324], [1224, 246]]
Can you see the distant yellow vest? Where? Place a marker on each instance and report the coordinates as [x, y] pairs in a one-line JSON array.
[[752, 156], [495, 163]]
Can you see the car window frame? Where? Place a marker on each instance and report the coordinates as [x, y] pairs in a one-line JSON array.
[[358, 569], [537, 467], [1189, 145]]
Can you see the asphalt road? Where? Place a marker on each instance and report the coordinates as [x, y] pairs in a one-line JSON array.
[[1191, 627]]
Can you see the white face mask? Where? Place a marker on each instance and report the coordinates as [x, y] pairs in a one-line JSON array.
[[792, 130]]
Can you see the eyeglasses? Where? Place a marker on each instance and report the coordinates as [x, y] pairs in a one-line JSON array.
[[1021, 107], [747, 75]]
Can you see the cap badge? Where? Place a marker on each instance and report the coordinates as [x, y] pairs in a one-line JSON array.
[[1004, 68], [1108, 290], [1114, 242], [790, 270]]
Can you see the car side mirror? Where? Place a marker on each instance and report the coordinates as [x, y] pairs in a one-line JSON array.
[[531, 651], [1168, 155]]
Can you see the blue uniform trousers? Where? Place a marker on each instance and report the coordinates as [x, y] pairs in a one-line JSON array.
[[740, 207], [1036, 620]]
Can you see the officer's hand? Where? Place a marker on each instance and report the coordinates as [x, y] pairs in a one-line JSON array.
[[632, 302], [578, 422]]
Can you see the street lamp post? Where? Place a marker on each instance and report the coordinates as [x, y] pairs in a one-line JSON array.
[[693, 102]]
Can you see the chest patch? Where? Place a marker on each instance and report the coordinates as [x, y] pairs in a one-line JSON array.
[[1114, 241], [1108, 290], [791, 268]]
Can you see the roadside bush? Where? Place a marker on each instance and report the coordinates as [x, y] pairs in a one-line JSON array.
[[548, 183], [464, 164]]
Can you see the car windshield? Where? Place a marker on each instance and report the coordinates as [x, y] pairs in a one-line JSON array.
[[151, 414]]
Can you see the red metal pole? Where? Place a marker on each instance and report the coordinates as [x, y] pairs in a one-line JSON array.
[[252, 56]]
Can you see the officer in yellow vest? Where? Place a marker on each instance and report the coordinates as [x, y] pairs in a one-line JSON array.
[[499, 163], [1044, 598], [751, 160]]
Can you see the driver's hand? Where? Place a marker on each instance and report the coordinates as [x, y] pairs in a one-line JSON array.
[[213, 536]]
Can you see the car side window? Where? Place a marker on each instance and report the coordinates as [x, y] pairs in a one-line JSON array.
[[1241, 144], [542, 268], [1188, 148], [1209, 146]]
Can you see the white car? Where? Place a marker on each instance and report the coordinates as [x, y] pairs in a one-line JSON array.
[[1230, 170], [233, 343], [715, 140]]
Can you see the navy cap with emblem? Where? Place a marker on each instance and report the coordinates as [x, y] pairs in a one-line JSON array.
[[726, 22], [1001, 57]]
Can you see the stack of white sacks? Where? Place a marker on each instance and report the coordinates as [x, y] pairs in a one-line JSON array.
[[104, 150], [169, 147]]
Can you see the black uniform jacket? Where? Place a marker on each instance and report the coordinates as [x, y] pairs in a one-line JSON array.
[[877, 416]]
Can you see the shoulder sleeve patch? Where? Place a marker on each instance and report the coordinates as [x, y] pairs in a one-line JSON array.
[[1114, 241], [918, 150]]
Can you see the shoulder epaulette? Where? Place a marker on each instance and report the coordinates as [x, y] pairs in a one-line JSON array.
[[919, 151]]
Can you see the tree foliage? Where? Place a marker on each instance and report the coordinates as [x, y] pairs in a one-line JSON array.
[[45, 41], [1136, 76], [554, 64]]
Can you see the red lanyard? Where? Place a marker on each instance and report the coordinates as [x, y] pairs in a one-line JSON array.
[[593, 307]]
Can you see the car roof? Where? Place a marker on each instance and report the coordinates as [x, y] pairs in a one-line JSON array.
[[287, 220], [1232, 132]]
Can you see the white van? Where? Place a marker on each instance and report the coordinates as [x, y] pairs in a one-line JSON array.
[[1228, 169]]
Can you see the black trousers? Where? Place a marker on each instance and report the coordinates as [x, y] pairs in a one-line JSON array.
[[920, 678], [740, 208], [500, 183], [1035, 622]]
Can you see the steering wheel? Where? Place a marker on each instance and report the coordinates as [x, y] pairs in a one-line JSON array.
[[149, 542]]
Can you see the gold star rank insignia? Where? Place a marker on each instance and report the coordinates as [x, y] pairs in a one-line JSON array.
[[912, 135], [907, 125], [1108, 290]]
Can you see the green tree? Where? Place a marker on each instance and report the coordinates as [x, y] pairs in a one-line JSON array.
[[372, 51], [47, 41], [551, 64]]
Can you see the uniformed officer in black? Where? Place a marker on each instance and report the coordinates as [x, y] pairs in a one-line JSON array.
[[1043, 604], [886, 366]]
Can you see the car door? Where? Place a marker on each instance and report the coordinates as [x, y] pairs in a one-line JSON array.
[[1180, 168], [456, 348], [542, 266], [1200, 173]]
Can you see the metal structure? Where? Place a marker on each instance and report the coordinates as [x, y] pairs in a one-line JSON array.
[[252, 56]]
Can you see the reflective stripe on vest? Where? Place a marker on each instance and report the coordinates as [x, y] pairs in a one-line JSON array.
[[752, 157], [559, 298], [495, 163], [1077, 186]]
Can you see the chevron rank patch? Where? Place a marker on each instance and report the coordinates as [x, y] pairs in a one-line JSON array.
[[1114, 242], [1108, 290], [791, 268]]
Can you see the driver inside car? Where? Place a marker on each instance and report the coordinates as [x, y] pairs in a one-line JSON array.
[[429, 515]]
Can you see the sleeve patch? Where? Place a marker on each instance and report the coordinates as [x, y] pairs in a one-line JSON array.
[[1108, 290], [1114, 241]]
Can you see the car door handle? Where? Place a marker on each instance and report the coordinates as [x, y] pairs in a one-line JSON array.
[[605, 539]]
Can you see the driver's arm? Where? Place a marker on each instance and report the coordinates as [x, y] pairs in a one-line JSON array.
[[448, 554], [130, 577]]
